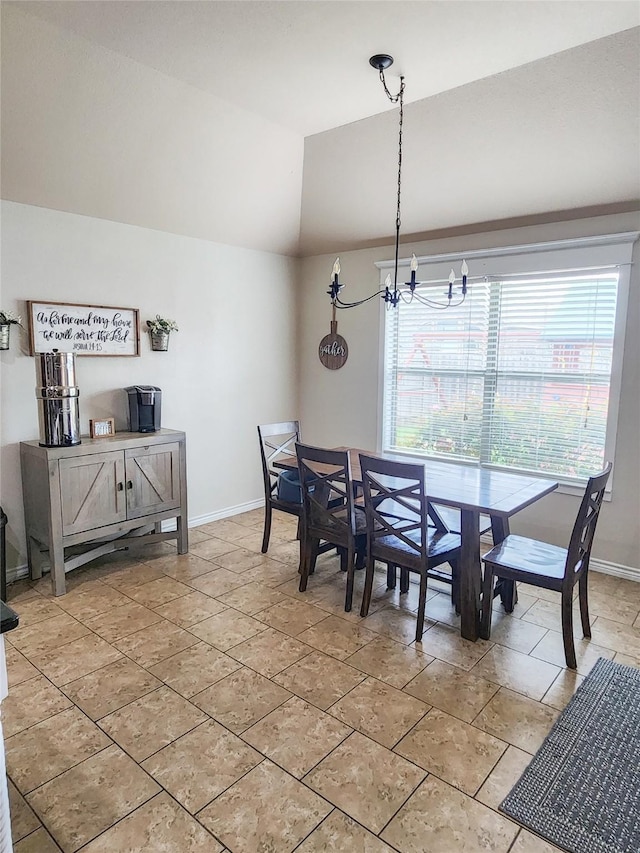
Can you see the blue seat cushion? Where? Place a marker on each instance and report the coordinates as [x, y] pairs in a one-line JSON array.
[[289, 488]]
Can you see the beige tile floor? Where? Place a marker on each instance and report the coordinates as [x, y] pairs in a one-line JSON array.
[[201, 703]]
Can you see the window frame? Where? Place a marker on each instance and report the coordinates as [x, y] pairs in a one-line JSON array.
[[605, 251]]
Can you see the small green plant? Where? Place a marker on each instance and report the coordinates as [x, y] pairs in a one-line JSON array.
[[8, 318], [160, 325]]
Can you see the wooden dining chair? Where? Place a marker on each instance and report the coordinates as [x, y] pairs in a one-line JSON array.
[[518, 558], [277, 441], [329, 514], [398, 529]]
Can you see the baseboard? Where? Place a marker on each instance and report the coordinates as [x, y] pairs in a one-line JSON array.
[[227, 512], [616, 569], [17, 573]]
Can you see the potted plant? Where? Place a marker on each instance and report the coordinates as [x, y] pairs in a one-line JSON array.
[[160, 329], [7, 319]]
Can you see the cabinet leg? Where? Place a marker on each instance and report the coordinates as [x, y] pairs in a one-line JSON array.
[[58, 580], [183, 535]]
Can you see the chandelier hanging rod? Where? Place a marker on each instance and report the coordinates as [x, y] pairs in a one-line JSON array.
[[392, 293]]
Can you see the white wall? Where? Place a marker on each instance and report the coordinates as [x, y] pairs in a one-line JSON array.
[[231, 365], [90, 131], [341, 407]]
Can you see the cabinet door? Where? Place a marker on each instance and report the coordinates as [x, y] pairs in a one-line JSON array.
[[92, 491], [153, 479]]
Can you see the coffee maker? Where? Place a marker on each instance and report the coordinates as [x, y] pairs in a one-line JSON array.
[[144, 408]]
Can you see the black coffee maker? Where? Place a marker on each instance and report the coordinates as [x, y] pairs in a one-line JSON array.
[[144, 408]]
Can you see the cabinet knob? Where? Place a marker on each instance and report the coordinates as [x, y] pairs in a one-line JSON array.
[[129, 484], [120, 486]]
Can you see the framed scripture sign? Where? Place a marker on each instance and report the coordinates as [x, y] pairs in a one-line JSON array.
[[83, 329]]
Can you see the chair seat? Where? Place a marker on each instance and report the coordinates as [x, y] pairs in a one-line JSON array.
[[529, 556], [439, 543]]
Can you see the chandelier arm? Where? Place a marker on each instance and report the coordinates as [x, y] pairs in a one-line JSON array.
[[340, 304], [432, 303]]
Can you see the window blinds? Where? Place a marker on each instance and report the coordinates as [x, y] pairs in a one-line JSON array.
[[516, 377]]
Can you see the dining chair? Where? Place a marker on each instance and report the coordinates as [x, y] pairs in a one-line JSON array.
[[329, 514], [276, 441], [540, 564], [398, 529]]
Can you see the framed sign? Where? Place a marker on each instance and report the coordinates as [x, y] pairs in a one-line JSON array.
[[99, 428], [83, 329]]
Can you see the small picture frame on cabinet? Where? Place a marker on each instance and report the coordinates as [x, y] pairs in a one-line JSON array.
[[102, 427]]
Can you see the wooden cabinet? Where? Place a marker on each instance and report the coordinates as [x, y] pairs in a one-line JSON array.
[[107, 490]]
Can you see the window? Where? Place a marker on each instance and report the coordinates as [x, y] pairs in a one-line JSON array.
[[524, 375]]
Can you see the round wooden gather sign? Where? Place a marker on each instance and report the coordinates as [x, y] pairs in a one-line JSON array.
[[333, 350]]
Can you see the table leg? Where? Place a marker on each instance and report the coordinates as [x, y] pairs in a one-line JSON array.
[[508, 591], [470, 574]]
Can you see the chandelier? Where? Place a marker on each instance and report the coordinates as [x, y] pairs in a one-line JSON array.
[[393, 292]]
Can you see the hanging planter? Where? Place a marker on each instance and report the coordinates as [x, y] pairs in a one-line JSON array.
[[7, 319], [159, 341], [159, 330]]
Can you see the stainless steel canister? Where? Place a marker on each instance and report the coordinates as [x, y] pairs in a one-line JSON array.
[[57, 395]]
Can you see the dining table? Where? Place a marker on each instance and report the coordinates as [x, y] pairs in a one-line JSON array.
[[474, 491]]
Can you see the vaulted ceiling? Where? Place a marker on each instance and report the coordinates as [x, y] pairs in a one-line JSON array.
[[261, 124], [304, 63]]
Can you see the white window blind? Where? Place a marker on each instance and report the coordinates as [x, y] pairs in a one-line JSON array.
[[517, 377]]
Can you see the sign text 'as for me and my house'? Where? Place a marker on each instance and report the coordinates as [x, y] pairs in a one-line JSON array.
[[83, 329]]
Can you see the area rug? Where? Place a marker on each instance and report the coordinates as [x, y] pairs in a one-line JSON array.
[[581, 791]]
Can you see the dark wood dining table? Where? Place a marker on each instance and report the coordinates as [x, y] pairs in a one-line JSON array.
[[474, 491]]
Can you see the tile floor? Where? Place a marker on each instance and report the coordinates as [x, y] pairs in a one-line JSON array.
[[200, 703]]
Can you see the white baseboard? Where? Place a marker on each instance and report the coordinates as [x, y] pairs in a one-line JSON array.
[[616, 569], [17, 573], [227, 512]]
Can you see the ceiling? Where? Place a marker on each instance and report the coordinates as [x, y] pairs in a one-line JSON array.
[[303, 64]]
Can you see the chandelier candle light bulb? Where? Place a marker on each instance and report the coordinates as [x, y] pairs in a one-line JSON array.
[[452, 281], [464, 269], [414, 269]]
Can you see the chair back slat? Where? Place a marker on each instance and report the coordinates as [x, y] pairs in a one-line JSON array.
[[395, 503], [327, 493], [276, 441], [579, 551]]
